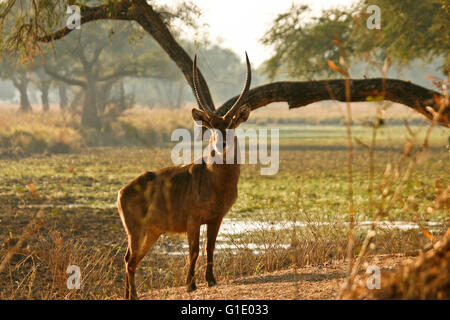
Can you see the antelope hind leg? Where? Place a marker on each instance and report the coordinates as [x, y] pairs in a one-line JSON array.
[[139, 248], [193, 238]]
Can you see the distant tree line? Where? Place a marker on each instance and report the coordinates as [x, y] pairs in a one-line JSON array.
[[305, 48]]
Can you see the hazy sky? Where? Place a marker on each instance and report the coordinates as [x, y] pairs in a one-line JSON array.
[[239, 24]]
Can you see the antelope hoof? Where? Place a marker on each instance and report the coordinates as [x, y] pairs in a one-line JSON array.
[[191, 287], [131, 297], [211, 282]]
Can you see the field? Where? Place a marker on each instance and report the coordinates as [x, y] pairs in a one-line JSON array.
[[58, 208]]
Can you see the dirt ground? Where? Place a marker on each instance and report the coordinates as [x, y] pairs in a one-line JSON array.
[[302, 284]]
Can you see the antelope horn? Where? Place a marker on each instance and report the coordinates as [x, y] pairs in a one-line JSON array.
[[244, 92], [198, 93]]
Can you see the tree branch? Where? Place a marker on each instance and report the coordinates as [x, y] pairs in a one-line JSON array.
[[129, 73], [64, 79], [299, 94], [141, 12], [152, 23], [118, 10]]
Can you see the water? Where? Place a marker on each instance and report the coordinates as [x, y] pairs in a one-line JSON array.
[[232, 228]]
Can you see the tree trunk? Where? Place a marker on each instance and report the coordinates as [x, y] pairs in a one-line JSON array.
[[103, 96], [89, 115], [44, 98], [122, 104], [77, 96], [25, 105], [63, 101]]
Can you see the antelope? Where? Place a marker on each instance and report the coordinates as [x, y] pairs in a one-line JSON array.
[[180, 199]]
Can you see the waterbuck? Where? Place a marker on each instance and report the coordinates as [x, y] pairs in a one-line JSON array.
[[182, 198]]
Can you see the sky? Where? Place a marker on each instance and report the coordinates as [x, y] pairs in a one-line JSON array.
[[239, 24]]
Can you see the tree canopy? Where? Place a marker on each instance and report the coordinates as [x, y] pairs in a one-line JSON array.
[[409, 30], [38, 21]]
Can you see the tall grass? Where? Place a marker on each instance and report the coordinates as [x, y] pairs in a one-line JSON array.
[[394, 184], [34, 264], [58, 132]]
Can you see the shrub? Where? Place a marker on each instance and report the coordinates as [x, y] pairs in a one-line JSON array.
[[27, 142], [59, 147]]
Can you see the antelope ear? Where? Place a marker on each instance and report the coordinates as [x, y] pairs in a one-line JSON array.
[[201, 116], [241, 116]]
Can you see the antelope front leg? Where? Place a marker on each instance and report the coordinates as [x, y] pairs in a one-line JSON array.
[[213, 230], [193, 238]]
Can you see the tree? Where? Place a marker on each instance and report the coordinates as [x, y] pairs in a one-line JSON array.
[[63, 99], [301, 48], [27, 35], [409, 30], [98, 59], [43, 82], [19, 74]]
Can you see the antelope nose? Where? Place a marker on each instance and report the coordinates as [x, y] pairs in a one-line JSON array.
[[218, 143]]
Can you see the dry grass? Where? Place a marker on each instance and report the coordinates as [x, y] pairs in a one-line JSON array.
[[331, 113], [396, 184], [37, 269], [57, 132], [427, 277], [54, 132], [305, 283]]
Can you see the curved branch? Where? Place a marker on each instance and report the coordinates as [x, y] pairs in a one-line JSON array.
[[299, 94], [119, 10], [130, 73], [64, 79], [143, 13], [151, 21]]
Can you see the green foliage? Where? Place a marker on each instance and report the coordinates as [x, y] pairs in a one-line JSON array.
[[303, 46], [22, 20], [409, 30]]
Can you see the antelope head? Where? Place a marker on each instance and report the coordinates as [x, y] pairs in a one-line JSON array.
[[209, 118]]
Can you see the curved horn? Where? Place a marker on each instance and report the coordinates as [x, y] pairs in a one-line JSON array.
[[230, 113], [198, 94]]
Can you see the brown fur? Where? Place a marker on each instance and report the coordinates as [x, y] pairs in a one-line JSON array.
[[177, 200], [182, 198]]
